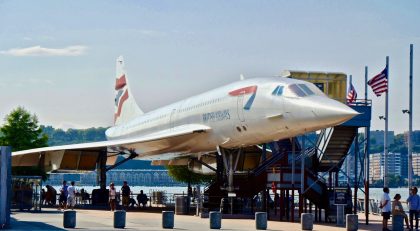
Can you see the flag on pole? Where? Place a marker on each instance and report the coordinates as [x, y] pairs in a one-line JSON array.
[[351, 95], [379, 83]]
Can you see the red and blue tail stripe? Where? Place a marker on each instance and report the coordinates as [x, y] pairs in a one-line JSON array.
[[244, 91]]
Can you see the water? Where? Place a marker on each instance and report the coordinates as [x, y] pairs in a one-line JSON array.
[[376, 193]]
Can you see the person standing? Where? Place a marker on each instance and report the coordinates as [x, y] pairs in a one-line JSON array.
[[71, 196], [414, 206], [386, 208], [63, 196], [125, 191], [112, 196]]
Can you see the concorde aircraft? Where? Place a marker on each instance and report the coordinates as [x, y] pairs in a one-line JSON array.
[[241, 114]]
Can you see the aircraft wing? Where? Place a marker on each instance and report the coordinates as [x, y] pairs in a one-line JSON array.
[[84, 156]]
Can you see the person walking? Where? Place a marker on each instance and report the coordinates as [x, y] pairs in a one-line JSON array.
[[63, 196], [386, 208], [71, 196], [112, 196], [125, 191], [398, 210], [414, 205]]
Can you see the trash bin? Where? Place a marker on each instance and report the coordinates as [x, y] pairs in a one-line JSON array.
[[182, 205]]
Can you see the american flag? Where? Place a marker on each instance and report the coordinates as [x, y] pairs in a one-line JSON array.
[[351, 95], [379, 83]]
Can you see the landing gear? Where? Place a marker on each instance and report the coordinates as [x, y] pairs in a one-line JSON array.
[[227, 163], [230, 159]]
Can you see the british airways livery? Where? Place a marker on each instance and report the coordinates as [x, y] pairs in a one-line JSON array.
[[241, 114]]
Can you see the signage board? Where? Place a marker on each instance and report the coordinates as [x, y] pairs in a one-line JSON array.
[[340, 196]]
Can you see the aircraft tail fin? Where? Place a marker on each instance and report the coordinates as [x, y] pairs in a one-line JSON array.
[[126, 107]]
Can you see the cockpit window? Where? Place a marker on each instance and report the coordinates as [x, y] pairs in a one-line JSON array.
[[306, 89], [296, 90], [278, 90]]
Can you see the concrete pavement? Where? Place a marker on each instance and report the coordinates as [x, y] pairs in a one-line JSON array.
[[51, 219]]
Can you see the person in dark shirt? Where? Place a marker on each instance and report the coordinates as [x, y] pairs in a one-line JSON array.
[[125, 191], [414, 207], [142, 199], [63, 196]]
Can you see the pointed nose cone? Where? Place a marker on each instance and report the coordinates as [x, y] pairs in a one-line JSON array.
[[333, 112]]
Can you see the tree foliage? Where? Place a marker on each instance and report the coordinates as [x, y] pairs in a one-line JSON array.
[[21, 131], [183, 174], [73, 136]]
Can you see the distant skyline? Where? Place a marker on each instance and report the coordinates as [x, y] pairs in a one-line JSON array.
[[57, 58]]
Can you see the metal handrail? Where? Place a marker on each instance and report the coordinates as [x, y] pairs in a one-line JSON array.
[[323, 140]]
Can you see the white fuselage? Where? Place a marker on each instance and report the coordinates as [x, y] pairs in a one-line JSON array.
[[243, 113]]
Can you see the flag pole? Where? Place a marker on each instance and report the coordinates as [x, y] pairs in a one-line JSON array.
[[386, 127], [367, 137], [410, 123], [348, 157]]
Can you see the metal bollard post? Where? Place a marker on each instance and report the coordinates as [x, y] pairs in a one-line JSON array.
[[69, 219], [168, 219], [352, 222], [119, 219], [307, 221], [261, 220], [398, 223], [215, 220]]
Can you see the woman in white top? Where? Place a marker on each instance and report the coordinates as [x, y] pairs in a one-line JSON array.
[[112, 195]]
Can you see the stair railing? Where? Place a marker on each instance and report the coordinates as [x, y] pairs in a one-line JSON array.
[[323, 140]]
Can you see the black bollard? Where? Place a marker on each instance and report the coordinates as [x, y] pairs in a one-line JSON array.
[[119, 219], [69, 219]]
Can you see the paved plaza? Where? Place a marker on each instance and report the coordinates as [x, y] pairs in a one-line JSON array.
[[51, 219]]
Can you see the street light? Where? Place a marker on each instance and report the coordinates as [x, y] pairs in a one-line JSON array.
[[385, 156], [409, 147]]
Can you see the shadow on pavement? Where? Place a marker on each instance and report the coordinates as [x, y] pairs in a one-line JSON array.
[[31, 225]]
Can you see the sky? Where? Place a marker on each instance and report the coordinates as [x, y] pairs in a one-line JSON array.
[[57, 58]]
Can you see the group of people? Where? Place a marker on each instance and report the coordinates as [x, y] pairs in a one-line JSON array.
[[67, 199], [396, 209], [127, 201]]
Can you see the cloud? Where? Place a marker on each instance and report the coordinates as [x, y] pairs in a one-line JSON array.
[[44, 51]]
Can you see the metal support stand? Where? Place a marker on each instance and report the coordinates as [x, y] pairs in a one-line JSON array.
[[230, 162], [293, 179], [340, 215], [132, 156], [356, 180], [5, 186], [366, 156], [101, 170]]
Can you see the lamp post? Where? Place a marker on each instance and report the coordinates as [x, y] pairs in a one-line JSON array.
[[409, 111], [385, 153], [409, 148]]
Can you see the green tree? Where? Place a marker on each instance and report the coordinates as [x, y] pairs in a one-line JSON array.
[[183, 174], [21, 131]]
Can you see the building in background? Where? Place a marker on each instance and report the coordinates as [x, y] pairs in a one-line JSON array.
[[397, 165], [376, 167], [416, 164], [415, 135], [135, 177]]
